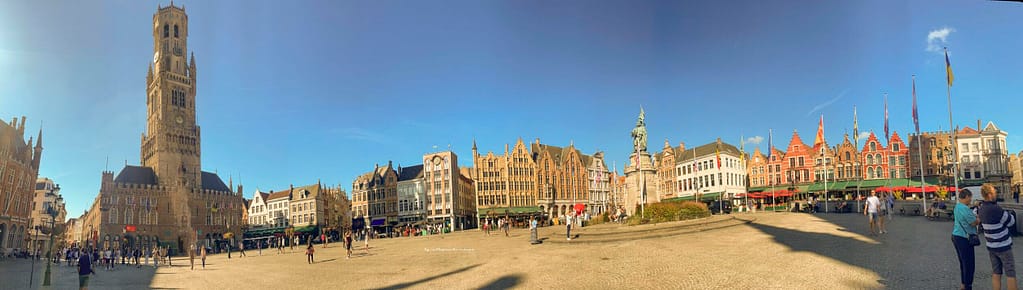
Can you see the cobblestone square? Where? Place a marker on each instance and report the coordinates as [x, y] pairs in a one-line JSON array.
[[773, 251]]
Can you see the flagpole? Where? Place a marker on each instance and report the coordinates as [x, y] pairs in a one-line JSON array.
[[919, 145], [774, 195], [825, 163], [856, 160], [952, 136]]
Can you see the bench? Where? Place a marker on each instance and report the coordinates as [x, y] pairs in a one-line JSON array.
[[910, 209]]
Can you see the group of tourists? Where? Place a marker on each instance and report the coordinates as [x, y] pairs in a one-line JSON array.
[[994, 224]]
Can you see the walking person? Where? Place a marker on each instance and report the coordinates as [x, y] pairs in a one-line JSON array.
[[366, 239], [309, 252], [486, 226], [964, 231], [202, 254], [348, 243], [191, 256], [84, 270], [568, 227], [996, 223], [882, 212], [891, 207], [870, 209], [241, 249], [507, 226]]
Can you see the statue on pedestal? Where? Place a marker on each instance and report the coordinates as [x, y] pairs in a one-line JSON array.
[[639, 133]]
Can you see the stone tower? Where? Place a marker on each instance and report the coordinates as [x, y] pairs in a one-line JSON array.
[[170, 145]]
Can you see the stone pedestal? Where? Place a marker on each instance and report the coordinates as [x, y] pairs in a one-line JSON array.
[[635, 176]]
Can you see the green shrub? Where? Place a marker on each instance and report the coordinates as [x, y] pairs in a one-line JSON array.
[[669, 211]]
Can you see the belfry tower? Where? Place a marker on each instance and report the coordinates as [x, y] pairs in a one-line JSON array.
[[171, 143]]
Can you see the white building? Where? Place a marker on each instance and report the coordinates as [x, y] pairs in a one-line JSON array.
[[258, 210], [411, 194], [278, 208], [984, 157], [599, 179], [450, 194], [704, 176], [47, 198]]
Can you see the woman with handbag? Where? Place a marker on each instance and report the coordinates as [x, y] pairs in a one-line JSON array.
[[964, 238]]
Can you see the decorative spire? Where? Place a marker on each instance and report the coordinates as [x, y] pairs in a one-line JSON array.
[[39, 140]]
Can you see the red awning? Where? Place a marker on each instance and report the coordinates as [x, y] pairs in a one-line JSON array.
[[883, 189]]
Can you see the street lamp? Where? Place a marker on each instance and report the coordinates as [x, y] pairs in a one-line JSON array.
[[52, 211]]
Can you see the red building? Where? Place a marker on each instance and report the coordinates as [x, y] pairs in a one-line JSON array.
[[797, 163]]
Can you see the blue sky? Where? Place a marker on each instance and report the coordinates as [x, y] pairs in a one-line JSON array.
[[294, 91]]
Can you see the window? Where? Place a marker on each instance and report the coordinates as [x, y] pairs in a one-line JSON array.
[[175, 31], [870, 159], [873, 146], [847, 156], [870, 172], [895, 147], [166, 30]]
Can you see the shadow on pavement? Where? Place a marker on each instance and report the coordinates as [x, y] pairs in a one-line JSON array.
[[506, 282], [913, 253], [428, 279]]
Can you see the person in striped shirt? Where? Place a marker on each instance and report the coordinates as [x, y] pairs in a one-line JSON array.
[[996, 222]]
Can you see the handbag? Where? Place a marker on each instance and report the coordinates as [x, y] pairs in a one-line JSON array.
[[973, 238]]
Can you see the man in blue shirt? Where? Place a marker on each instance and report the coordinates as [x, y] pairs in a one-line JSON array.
[[996, 222], [84, 270]]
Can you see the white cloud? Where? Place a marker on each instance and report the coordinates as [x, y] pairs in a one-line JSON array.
[[828, 103], [863, 135], [938, 38], [755, 139]]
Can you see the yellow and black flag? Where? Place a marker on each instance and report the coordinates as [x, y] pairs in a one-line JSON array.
[[948, 68]]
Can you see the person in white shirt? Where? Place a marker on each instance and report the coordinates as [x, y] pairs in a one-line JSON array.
[[870, 209]]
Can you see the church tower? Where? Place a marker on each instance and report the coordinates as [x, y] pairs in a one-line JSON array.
[[170, 145]]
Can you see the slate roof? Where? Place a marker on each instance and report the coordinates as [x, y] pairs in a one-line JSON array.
[[704, 150], [279, 194], [136, 175], [212, 181], [410, 172]]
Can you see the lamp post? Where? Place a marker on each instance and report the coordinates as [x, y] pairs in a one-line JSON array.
[[53, 216], [31, 275]]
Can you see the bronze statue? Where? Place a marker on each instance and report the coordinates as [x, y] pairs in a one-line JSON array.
[[639, 133]]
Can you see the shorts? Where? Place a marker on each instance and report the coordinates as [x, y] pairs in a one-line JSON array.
[[1002, 262], [872, 216], [83, 281]]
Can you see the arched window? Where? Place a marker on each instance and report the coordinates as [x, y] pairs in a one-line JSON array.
[[877, 157], [175, 31], [895, 147], [870, 172], [870, 159], [113, 216], [127, 217], [873, 146], [847, 156], [166, 30]]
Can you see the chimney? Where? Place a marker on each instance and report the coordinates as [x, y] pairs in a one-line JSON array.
[[978, 124]]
